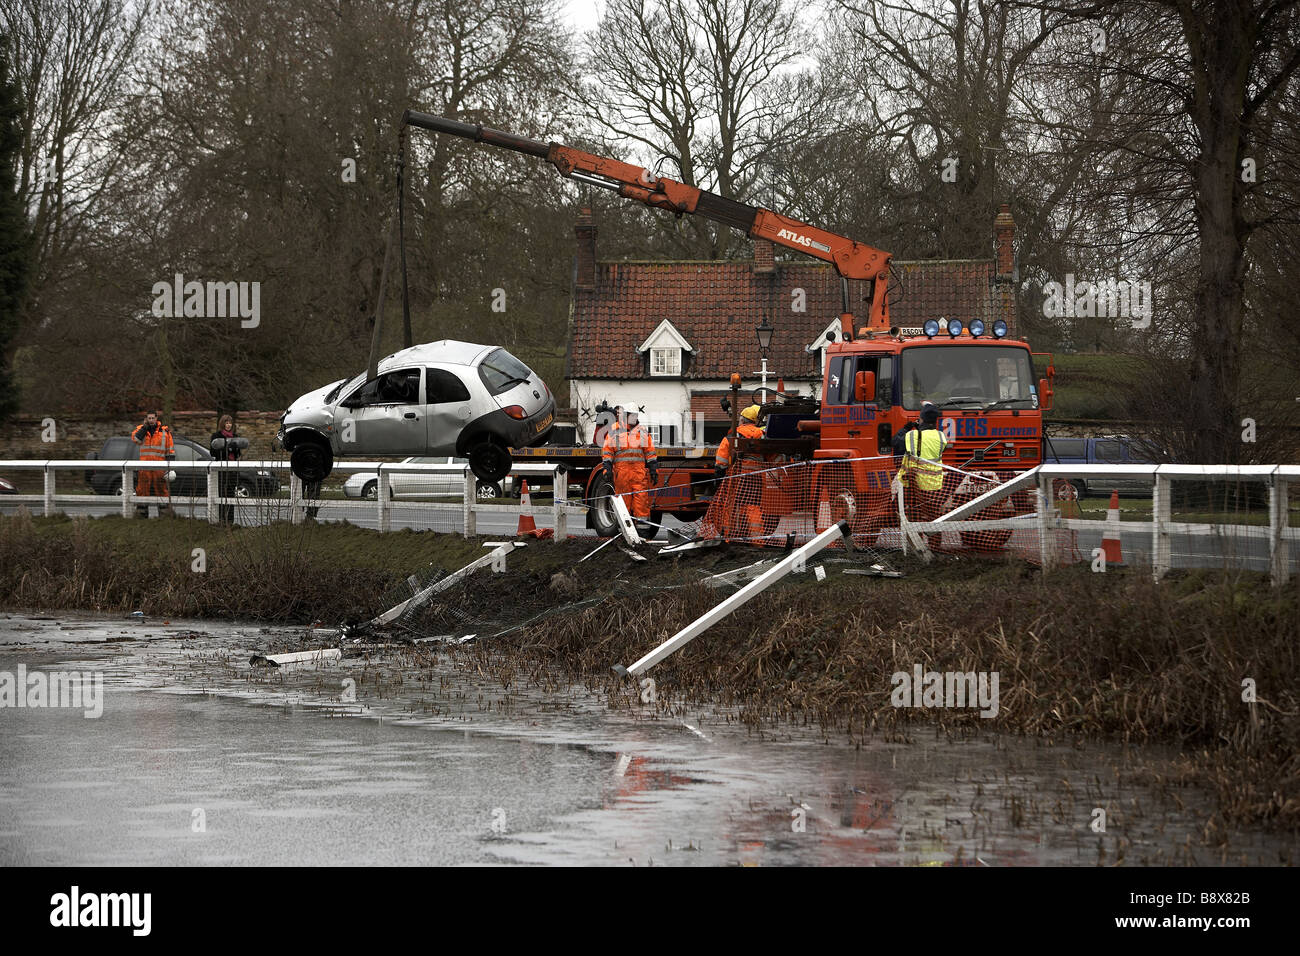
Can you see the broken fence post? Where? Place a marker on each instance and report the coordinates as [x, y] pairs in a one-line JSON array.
[[797, 558], [625, 522]]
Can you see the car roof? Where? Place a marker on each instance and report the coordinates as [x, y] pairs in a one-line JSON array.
[[445, 352]]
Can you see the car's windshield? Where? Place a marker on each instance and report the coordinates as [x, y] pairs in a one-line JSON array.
[[334, 392], [500, 370], [966, 376]]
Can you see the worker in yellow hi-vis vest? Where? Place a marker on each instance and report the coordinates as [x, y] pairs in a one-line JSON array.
[[920, 476]]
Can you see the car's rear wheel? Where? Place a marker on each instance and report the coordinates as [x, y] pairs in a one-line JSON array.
[[245, 489], [311, 461], [489, 461], [486, 490], [115, 486]]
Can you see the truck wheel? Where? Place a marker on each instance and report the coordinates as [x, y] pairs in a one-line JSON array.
[[311, 461], [601, 514], [489, 461]]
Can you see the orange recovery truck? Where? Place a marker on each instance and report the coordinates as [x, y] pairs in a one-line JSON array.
[[877, 376]]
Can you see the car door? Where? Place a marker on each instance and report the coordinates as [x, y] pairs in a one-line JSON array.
[[386, 416], [417, 484], [447, 407], [1113, 451]]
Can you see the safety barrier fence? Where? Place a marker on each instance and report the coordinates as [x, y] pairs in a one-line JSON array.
[[260, 497], [1169, 516]]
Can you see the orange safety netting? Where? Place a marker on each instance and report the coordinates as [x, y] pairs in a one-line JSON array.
[[765, 504]]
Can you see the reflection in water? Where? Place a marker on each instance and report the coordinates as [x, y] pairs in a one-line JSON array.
[[199, 760]]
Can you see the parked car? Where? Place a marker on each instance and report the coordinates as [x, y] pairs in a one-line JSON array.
[[441, 398], [365, 484], [1104, 450], [249, 482]]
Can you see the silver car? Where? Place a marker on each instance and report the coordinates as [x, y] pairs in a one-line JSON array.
[[442, 398], [365, 484]]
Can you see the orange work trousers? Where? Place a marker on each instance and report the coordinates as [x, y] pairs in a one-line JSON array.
[[151, 483], [632, 481]]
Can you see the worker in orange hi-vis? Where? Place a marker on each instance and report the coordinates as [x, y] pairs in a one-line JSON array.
[[155, 441], [748, 505], [630, 452]]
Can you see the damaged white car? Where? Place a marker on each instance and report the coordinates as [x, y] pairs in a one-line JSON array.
[[440, 398]]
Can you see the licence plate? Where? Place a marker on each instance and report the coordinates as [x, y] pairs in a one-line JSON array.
[[544, 424]]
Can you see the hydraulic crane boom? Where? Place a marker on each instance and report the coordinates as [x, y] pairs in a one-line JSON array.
[[852, 260]]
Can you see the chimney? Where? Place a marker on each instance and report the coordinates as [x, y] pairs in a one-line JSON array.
[[764, 261], [585, 267], [1004, 230]]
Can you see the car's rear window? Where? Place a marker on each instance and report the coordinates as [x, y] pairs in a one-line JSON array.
[[501, 370], [444, 387], [118, 448], [1111, 452], [1065, 448]]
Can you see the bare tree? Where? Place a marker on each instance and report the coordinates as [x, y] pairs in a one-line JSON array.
[[71, 60], [709, 88]]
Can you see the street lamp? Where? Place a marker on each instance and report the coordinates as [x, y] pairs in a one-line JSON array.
[[764, 333]]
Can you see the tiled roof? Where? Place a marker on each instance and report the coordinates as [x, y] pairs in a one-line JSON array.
[[706, 404], [717, 305]]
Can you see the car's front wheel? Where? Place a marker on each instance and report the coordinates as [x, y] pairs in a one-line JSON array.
[[115, 486], [486, 490], [245, 490], [311, 461], [370, 491]]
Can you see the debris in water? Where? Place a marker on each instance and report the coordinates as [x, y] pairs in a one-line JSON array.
[[328, 655]]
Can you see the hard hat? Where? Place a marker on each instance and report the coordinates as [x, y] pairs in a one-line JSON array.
[[750, 413]]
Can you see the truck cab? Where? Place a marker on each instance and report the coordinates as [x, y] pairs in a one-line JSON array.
[[989, 403]]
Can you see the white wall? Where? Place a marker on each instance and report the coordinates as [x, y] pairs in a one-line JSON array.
[[667, 401]]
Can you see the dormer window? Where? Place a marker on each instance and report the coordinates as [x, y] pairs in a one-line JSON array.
[[819, 345], [663, 350], [665, 361]]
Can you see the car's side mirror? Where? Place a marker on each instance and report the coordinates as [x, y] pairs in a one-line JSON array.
[[864, 387]]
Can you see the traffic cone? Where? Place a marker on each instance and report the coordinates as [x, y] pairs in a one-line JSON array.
[[527, 526], [823, 516], [1110, 544]]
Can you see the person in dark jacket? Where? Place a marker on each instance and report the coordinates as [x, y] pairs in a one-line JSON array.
[[225, 446]]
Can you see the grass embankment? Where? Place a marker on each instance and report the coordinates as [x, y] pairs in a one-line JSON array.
[[277, 573], [1092, 655]]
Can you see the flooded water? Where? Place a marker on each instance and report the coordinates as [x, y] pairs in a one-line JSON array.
[[198, 758]]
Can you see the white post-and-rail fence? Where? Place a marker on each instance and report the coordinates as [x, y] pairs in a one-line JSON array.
[[1159, 530], [465, 511]]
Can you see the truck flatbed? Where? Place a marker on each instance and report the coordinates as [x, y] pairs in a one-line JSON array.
[[588, 456]]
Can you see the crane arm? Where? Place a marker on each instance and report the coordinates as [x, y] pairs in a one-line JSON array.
[[852, 260]]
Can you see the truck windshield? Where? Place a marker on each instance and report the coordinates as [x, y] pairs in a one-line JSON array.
[[967, 376]]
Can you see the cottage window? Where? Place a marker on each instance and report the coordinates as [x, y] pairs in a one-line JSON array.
[[665, 361]]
